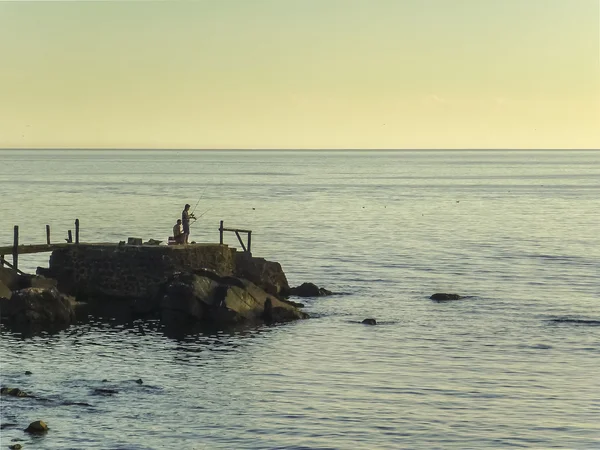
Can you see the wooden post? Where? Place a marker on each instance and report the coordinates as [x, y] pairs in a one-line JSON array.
[[221, 233], [1, 260], [48, 234], [70, 240], [16, 248], [77, 231], [249, 241]]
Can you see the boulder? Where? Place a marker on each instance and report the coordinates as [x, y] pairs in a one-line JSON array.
[[9, 277], [442, 297], [205, 296], [39, 426], [309, 290], [5, 292], [369, 322], [14, 392], [268, 275], [36, 306]]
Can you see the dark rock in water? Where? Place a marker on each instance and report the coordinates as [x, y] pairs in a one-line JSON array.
[[441, 297], [105, 381], [139, 381], [105, 392], [573, 321], [37, 306], [191, 297], [28, 372], [14, 392], [309, 290], [69, 403], [369, 322], [39, 426], [15, 447]]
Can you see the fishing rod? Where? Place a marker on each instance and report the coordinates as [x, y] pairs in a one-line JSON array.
[[200, 198], [199, 216]]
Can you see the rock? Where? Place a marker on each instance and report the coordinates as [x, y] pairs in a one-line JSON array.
[[309, 290], [39, 426], [28, 372], [139, 381], [134, 241], [15, 447], [369, 322], [14, 392], [152, 242], [224, 300], [441, 297], [105, 392], [268, 275], [36, 306], [5, 292], [41, 282], [9, 278]]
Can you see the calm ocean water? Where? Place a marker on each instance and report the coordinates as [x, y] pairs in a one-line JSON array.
[[516, 364]]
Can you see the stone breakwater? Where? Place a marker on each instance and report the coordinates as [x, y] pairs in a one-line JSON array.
[[180, 285], [140, 271]]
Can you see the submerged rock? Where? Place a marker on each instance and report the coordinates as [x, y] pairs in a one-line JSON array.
[[309, 290], [441, 297], [37, 306], [369, 322], [14, 392], [105, 392], [39, 426]]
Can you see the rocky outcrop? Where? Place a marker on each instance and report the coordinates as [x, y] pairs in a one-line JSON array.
[[11, 280], [37, 306], [442, 297], [266, 274], [206, 296], [309, 290]]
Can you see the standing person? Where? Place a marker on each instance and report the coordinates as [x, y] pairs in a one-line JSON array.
[[185, 220]]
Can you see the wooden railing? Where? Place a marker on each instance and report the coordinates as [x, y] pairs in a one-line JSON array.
[[237, 232], [15, 250]]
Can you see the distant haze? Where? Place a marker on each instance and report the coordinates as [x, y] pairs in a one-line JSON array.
[[300, 74]]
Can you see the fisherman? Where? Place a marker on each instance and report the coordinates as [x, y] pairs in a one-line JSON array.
[[178, 233], [186, 215]]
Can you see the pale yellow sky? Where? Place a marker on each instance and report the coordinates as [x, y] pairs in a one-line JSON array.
[[300, 74]]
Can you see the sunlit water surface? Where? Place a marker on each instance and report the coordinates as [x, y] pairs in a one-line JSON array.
[[516, 364]]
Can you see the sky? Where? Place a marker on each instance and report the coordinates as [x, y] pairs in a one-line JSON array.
[[318, 74]]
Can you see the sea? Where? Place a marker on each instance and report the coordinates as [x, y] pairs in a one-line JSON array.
[[513, 364]]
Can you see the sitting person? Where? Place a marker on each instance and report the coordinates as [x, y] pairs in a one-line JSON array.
[[178, 234]]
